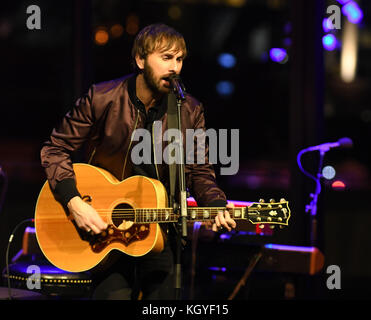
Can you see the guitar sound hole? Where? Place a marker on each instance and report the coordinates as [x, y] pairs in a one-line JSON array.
[[123, 216]]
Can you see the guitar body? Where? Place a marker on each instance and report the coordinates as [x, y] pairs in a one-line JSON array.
[[72, 249], [132, 209]]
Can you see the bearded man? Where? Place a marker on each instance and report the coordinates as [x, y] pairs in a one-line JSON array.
[[105, 119]]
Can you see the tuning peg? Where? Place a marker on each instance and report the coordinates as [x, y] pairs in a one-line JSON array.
[[272, 201], [282, 200], [261, 226], [261, 200]]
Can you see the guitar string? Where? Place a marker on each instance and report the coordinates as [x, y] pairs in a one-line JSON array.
[[162, 211], [165, 211], [171, 219], [141, 218], [189, 209], [116, 212], [144, 212]]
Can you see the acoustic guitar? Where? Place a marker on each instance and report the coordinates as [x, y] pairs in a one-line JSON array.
[[133, 209]]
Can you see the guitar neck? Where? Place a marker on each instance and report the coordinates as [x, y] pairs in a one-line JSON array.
[[165, 215]]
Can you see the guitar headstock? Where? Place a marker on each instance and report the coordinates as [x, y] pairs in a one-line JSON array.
[[275, 213]]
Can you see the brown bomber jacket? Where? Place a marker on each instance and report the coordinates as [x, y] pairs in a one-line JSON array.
[[105, 119]]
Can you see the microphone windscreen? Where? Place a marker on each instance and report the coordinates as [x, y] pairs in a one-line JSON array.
[[176, 82], [345, 142], [174, 76]]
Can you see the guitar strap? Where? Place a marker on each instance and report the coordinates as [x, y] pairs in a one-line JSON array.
[[172, 123]]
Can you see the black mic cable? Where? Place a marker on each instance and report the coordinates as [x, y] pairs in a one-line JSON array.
[[7, 252]]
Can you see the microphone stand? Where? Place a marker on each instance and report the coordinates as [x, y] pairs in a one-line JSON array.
[[177, 96], [312, 206], [182, 207]]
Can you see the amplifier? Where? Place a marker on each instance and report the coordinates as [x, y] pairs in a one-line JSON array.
[[291, 259], [267, 257]]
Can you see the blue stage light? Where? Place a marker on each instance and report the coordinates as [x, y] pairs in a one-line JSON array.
[[328, 172], [225, 88], [278, 54], [353, 12], [227, 60], [343, 1], [327, 25], [329, 42]]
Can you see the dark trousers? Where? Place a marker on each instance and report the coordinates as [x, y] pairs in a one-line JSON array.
[[150, 277]]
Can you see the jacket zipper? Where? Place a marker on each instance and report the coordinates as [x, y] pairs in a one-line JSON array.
[[92, 155], [131, 140], [154, 154]]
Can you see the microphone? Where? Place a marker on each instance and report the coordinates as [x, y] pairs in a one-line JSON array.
[[324, 147], [178, 86]]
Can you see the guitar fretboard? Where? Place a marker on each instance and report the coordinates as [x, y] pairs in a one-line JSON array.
[[163, 215]]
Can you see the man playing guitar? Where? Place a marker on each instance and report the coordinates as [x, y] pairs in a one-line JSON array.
[[105, 119]]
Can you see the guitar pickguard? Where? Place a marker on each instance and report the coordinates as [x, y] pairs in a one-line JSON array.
[[136, 232]]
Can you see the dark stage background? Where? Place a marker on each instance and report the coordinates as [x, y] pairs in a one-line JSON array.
[[278, 107]]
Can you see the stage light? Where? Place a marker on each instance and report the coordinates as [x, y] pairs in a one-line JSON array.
[[116, 30], [329, 42], [287, 42], [253, 181], [132, 24], [287, 28], [328, 172], [339, 185], [222, 269], [225, 88], [343, 1], [174, 12], [227, 60], [236, 3], [349, 52], [353, 12], [327, 25], [101, 36], [278, 55]]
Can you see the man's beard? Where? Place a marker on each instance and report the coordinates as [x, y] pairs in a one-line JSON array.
[[151, 82]]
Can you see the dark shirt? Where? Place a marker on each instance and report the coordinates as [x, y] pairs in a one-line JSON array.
[[154, 113]]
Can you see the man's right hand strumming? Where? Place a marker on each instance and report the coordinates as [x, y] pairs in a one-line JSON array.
[[85, 216]]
